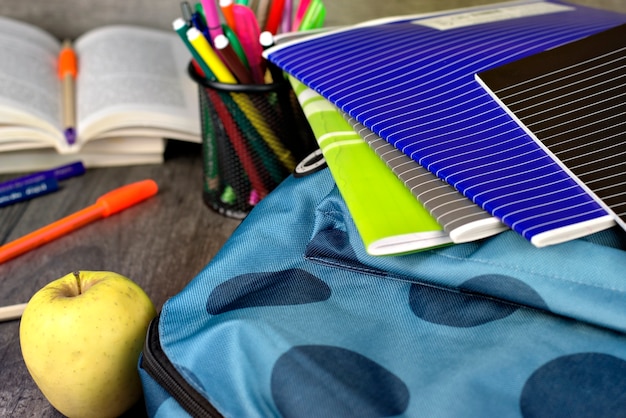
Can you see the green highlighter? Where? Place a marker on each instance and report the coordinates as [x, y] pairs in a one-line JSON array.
[[314, 16]]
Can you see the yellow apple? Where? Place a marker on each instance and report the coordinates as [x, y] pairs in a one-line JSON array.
[[81, 336]]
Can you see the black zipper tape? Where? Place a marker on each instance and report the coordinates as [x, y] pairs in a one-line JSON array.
[[155, 362]]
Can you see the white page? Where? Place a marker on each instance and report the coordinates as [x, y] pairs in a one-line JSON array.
[[28, 79], [125, 73]]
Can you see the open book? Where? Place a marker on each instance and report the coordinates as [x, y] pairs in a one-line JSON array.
[[132, 91]]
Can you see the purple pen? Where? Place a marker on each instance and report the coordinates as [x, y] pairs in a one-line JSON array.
[[69, 170], [37, 184], [27, 187], [70, 136], [286, 22]]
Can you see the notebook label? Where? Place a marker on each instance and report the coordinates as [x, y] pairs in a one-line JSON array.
[[491, 15]]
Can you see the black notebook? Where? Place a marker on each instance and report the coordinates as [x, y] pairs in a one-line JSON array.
[[572, 100]]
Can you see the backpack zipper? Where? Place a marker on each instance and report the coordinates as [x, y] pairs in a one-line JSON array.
[[155, 362]]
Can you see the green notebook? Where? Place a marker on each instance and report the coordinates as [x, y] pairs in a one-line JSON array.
[[390, 220]]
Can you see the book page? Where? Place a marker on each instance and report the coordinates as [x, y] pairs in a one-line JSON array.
[[29, 87], [134, 77]]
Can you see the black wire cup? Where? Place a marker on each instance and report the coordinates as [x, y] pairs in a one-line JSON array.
[[253, 136]]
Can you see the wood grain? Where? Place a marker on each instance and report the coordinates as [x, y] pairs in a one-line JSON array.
[[161, 244]]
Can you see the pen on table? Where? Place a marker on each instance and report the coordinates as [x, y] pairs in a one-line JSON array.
[[37, 184], [11, 312], [231, 59], [68, 69], [212, 16], [106, 205]]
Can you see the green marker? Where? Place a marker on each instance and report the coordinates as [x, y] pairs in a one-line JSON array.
[[314, 17], [200, 10], [180, 26]]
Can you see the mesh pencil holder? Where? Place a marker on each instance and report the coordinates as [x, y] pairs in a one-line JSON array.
[[253, 136]]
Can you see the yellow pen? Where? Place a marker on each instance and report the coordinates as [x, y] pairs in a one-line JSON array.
[[210, 57]]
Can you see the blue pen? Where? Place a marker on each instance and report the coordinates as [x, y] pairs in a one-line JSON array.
[[37, 184], [198, 22]]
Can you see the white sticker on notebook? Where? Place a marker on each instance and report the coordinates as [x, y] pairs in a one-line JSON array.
[[491, 15]]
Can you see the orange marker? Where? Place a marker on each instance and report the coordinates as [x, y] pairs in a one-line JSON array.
[[227, 11], [106, 205], [68, 69]]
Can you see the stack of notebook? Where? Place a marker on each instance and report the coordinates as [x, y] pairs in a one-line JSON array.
[[502, 116]]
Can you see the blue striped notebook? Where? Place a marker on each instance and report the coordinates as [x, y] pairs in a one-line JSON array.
[[411, 81], [572, 100]]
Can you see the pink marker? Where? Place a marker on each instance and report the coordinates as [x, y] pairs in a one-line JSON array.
[[212, 15], [300, 12], [248, 33]]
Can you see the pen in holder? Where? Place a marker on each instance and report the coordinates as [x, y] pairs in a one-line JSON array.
[[253, 135]]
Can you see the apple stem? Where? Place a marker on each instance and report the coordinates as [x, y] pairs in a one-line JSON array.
[[77, 275]]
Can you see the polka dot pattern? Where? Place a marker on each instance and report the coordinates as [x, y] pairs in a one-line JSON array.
[[333, 332], [469, 307], [577, 385], [287, 287], [327, 381], [504, 287]]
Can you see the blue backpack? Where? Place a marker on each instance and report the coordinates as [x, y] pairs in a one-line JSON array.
[[293, 319]]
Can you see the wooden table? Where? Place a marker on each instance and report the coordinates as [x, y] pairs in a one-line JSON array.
[[161, 244]]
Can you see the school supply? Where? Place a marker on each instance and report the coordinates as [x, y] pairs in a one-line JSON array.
[[37, 184], [572, 101], [131, 87], [411, 81], [252, 137], [253, 130], [106, 205], [293, 319], [390, 220], [12, 312], [463, 220]]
